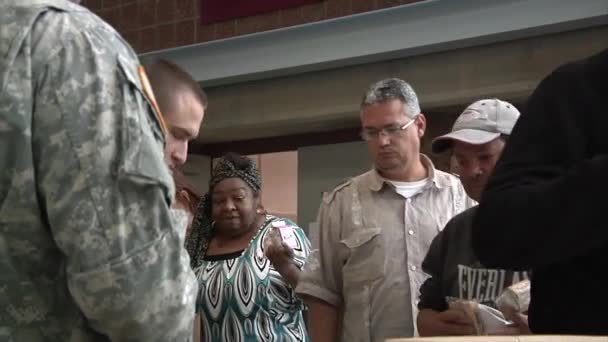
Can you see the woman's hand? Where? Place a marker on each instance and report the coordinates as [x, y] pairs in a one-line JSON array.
[[281, 257], [277, 251]]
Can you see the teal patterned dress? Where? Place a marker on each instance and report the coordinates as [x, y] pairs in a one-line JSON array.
[[243, 298]]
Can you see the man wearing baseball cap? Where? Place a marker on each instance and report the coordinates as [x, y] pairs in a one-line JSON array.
[[476, 143]]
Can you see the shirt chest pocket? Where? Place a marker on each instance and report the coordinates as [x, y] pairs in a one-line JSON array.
[[366, 256]]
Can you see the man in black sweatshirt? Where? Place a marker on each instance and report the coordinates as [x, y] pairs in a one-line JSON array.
[[545, 206], [476, 142]]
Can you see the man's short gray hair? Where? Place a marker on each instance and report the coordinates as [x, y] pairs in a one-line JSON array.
[[392, 88]]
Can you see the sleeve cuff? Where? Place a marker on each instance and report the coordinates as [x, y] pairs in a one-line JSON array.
[[312, 290]]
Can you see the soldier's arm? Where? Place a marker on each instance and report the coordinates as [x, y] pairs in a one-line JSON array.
[[105, 190]]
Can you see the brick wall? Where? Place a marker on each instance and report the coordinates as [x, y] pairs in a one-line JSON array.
[[159, 24]]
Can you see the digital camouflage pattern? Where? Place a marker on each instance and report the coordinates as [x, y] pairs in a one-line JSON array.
[[87, 248]]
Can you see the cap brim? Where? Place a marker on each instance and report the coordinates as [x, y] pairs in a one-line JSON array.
[[469, 136]]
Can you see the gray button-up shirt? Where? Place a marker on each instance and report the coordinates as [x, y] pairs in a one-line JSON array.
[[369, 246]]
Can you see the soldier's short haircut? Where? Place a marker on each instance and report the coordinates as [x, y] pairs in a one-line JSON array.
[[167, 79]]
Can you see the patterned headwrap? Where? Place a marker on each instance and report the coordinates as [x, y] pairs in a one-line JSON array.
[[231, 165]]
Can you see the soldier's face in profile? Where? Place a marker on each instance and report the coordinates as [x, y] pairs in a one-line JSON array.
[[183, 124]]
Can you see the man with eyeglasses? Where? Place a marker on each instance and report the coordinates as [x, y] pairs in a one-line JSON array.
[[361, 281]]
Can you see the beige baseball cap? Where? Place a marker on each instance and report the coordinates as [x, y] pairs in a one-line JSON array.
[[480, 123]]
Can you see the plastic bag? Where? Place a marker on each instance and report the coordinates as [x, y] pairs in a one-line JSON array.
[[515, 297], [486, 320]]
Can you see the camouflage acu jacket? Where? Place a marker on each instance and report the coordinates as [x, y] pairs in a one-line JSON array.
[[87, 248]]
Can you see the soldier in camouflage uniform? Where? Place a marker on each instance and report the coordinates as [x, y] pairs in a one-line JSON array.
[[87, 248]]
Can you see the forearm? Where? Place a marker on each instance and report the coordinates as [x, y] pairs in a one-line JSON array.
[[324, 320], [128, 272], [197, 330], [290, 272], [155, 288], [445, 323]]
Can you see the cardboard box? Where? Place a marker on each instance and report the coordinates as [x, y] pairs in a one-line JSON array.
[[530, 338]]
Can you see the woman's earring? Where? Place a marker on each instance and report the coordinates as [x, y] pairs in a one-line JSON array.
[[260, 211]]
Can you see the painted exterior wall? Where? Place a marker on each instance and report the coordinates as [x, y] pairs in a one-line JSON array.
[[151, 25]]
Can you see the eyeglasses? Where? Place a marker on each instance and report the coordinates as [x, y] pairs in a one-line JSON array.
[[389, 131]]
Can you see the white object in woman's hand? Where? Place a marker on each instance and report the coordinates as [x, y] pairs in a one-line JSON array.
[[276, 250]]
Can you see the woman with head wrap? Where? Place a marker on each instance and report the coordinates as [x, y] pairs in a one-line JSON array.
[[246, 272]]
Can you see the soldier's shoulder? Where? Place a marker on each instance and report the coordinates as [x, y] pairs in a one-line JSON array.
[[56, 25]]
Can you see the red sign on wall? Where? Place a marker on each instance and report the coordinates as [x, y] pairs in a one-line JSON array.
[[221, 10]]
